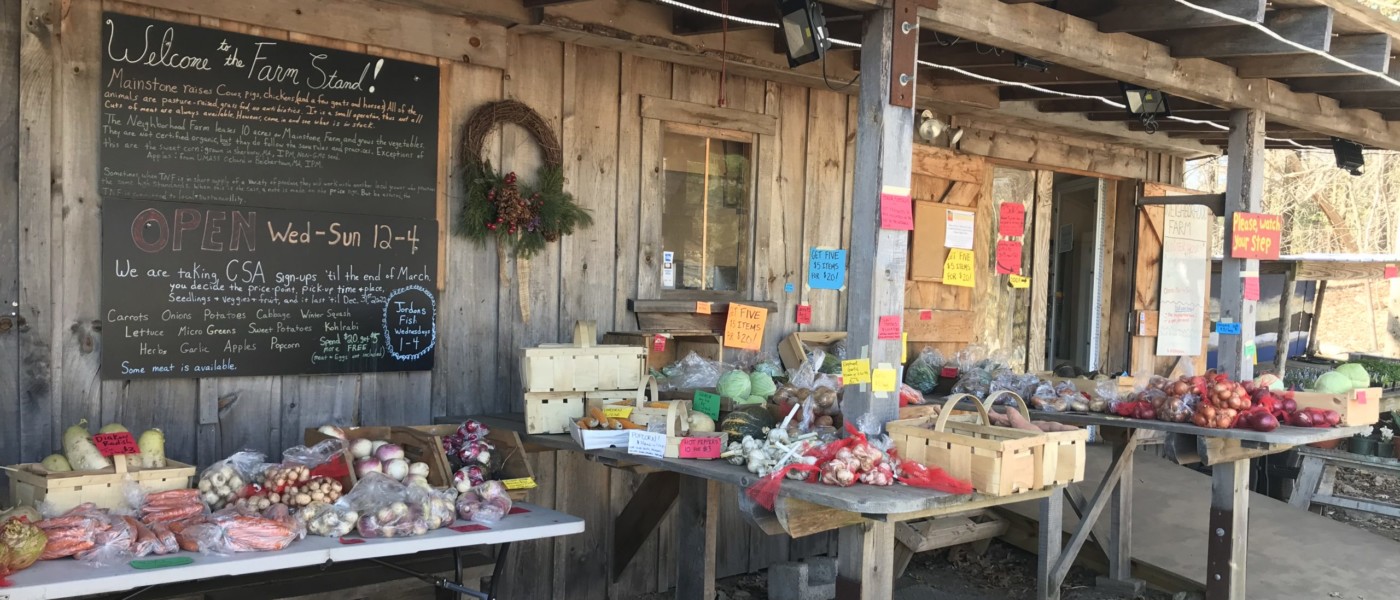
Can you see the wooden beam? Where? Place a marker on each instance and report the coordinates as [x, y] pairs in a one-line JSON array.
[[1229, 531], [1050, 35], [1025, 115], [1084, 106], [1133, 16], [649, 504], [1368, 51], [1371, 100], [1203, 114], [1311, 27], [963, 55], [1345, 83], [1244, 192], [1055, 75], [884, 150], [696, 538], [1112, 91]]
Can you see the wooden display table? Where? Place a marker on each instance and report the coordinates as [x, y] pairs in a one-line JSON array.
[[1228, 451], [1316, 480], [866, 515]]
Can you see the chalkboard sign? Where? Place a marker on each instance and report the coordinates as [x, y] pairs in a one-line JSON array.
[[201, 115], [268, 207], [194, 290]]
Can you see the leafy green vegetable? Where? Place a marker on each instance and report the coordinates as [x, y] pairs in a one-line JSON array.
[[735, 384]]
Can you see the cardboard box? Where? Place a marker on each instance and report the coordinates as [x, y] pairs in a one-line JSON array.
[[793, 348], [417, 447], [1357, 407], [674, 346]]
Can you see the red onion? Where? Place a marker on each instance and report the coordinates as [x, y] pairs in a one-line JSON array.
[[1263, 422], [1303, 419], [1289, 405]]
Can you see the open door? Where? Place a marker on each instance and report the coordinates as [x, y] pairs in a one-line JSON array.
[[1171, 285]]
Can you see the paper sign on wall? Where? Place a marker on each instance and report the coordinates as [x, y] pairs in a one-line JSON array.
[[804, 314], [646, 443], [958, 269], [702, 308], [1227, 328], [1019, 282], [1012, 221], [925, 315], [826, 269], [1252, 352], [1256, 235], [903, 347], [1251, 288], [706, 402], [668, 276], [1008, 258], [1392, 271], [896, 212], [883, 379], [958, 232], [658, 343], [889, 327], [855, 371], [743, 328]]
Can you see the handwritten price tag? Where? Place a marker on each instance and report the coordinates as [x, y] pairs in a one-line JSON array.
[[112, 444], [1020, 283], [1012, 221], [883, 380], [826, 269], [646, 443], [519, 483], [889, 327], [700, 447], [658, 343], [1392, 271], [948, 372], [1227, 328], [804, 314], [468, 528], [1008, 258], [743, 329], [707, 403], [702, 308], [1360, 396], [959, 269], [1251, 288], [896, 212], [617, 412], [855, 371]]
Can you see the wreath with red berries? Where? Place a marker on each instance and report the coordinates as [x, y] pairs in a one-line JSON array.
[[526, 217]]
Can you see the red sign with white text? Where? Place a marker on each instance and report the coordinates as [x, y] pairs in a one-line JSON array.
[[111, 444]]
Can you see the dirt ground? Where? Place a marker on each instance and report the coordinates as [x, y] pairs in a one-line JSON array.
[[1004, 572], [1363, 484]]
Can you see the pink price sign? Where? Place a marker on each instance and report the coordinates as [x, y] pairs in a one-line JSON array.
[[700, 447]]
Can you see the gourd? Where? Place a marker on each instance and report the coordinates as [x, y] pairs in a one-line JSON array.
[[749, 419]]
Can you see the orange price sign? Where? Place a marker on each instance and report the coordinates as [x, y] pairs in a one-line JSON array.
[[1256, 235], [743, 328]]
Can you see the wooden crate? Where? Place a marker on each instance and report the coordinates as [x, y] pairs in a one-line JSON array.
[[583, 366], [637, 399], [31, 484], [1357, 407], [675, 345], [997, 461], [1061, 461], [551, 412], [793, 348], [417, 447], [510, 452]]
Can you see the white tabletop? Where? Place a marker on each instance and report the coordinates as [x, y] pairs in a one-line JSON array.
[[66, 578]]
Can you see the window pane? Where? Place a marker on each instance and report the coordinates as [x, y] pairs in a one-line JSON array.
[[704, 216]]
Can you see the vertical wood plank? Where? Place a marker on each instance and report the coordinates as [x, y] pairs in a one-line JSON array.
[[848, 168], [785, 251], [530, 578], [167, 405], [1120, 295], [1109, 275], [395, 398], [865, 561], [1229, 530], [10, 424], [696, 533], [1244, 192], [312, 401], [826, 148], [240, 413]]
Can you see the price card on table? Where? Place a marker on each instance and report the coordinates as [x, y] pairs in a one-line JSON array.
[[112, 444], [646, 443], [855, 371], [702, 447], [707, 403], [519, 483], [617, 412]]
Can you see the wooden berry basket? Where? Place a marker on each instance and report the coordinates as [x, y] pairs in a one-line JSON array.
[[639, 399], [31, 484], [583, 366], [1062, 460], [998, 461]]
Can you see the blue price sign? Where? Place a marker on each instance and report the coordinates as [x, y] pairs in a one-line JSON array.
[[1227, 328], [827, 269]]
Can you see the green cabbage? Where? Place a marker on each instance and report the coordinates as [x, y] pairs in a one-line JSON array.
[[751, 400], [1271, 381], [1332, 382], [1357, 373], [735, 384], [761, 384]]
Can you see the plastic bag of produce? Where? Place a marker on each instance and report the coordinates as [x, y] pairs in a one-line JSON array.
[[318, 455], [72, 532], [231, 531], [387, 508], [163, 507], [486, 504], [1105, 393], [230, 479], [440, 505], [112, 545], [328, 520], [21, 544], [692, 372], [1046, 398], [922, 372]]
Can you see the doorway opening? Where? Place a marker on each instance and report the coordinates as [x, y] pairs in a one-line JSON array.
[[1073, 344]]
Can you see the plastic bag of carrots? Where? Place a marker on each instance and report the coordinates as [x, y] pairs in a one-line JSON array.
[[229, 532]]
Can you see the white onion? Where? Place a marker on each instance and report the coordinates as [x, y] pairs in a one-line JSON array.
[[418, 468], [361, 448], [389, 452], [333, 431], [396, 468], [365, 466]]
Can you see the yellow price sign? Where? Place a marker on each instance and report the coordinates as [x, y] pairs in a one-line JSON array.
[[855, 371], [617, 412], [522, 483], [884, 380], [903, 347], [959, 269], [1020, 282]]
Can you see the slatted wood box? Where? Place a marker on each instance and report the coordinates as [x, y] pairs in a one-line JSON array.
[[31, 484], [552, 412], [417, 447], [510, 452], [582, 366], [1357, 407]]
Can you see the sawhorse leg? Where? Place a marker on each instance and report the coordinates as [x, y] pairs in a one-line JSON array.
[[696, 521], [1052, 532], [1229, 531], [1119, 544], [865, 561]]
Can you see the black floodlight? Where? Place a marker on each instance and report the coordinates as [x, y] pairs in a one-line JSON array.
[[1033, 64], [1349, 157], [804, 30], [1147, 105]]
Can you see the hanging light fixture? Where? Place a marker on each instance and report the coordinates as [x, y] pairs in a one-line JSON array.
[[1349, 157], [1146, 104], [804, 30]]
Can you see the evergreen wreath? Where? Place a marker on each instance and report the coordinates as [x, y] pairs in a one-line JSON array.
[[526, 217]]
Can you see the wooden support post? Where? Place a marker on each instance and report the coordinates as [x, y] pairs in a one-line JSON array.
[[1096, 507], [1052, 513], [879, 257], [865, 561], [640, 517], [695, 538], [1285, 320], [1119, 543], [1305, 485], [1244, 191], [1229, 531], [1319, 300]]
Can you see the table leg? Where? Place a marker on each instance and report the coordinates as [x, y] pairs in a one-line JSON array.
[[1052, 510], [865, 561], [696, 538], [1118, 544], [1229, 531]]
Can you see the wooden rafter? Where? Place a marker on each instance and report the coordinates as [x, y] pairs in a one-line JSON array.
[[1369, 51], [1045, 33], [1132, 16], [1310, 27], [1349, 83]]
